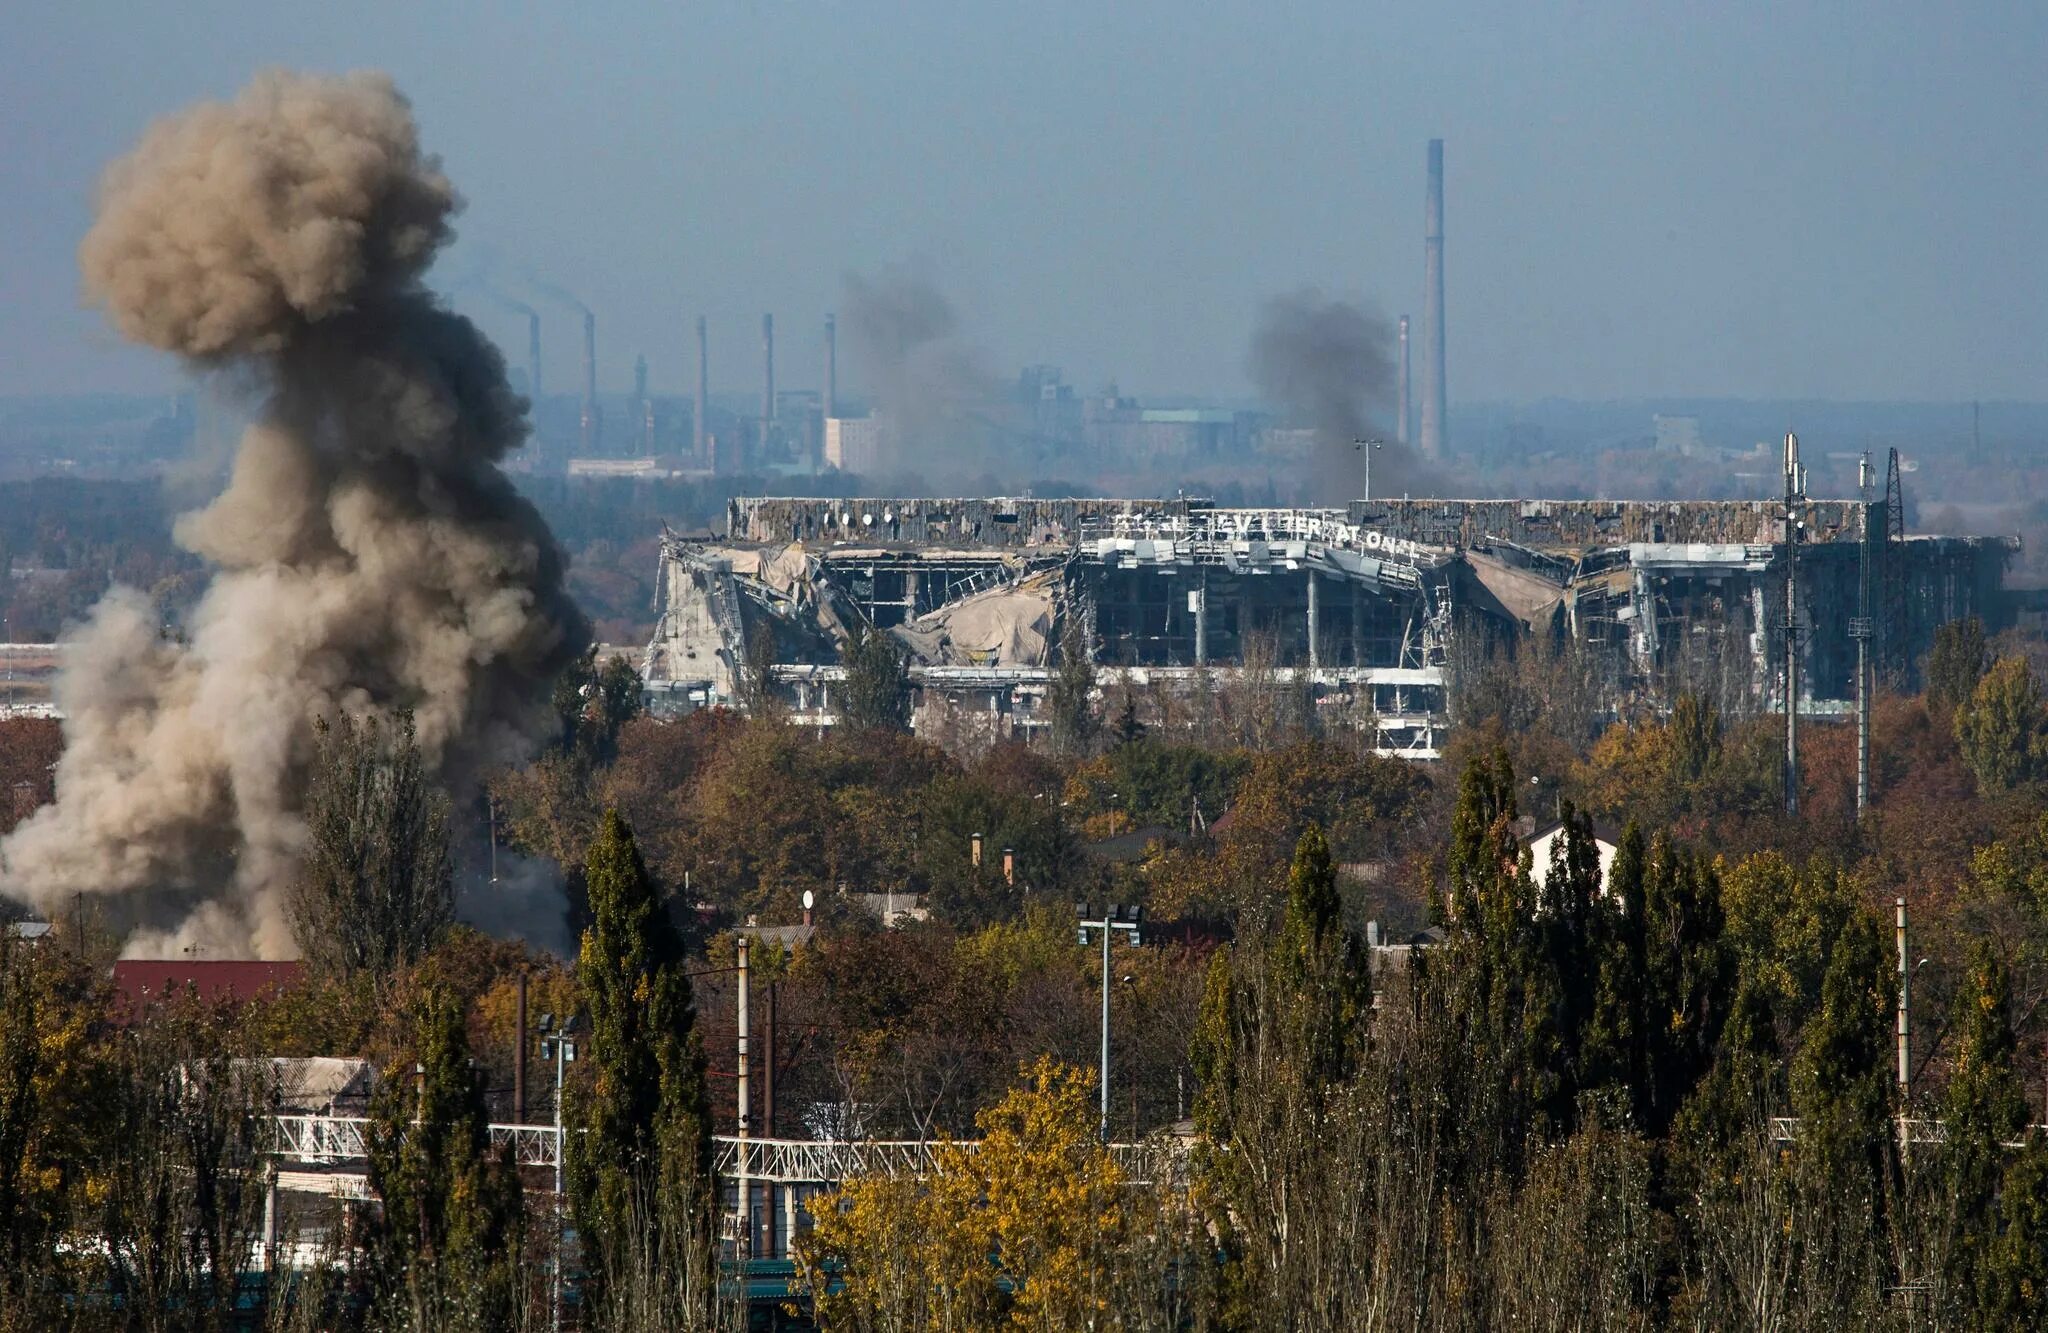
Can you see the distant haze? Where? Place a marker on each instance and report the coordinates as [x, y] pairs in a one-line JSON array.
[[1742, 200]]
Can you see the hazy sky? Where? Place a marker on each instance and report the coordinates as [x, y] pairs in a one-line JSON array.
[[1761, 200]]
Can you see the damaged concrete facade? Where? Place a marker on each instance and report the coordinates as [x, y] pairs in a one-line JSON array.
[[1366, 609]]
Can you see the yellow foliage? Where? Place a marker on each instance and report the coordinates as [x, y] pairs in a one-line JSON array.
[[1007, 1233]]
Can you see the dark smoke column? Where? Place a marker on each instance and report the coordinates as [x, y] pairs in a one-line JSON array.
[[831, 366], [367, 556], [1435, 412]]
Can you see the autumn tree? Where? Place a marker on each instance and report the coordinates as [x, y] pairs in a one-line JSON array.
[[1071, 695], [1019, 1231], [2002, 727], [1956, 663], [448, 1239], [639, 1161], [876, 692], [1283, 1028], [1985, 1108], [377, 889]]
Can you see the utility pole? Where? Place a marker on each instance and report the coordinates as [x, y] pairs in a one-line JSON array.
[[1905, 1009], [1860, 630], [745, 1124], [560, 1048], [1113, 918], [519, 1056], [1795, 500]]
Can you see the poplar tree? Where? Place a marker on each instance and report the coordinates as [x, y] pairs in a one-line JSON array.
[[639, 1159], [377, 889], [449, 1236]]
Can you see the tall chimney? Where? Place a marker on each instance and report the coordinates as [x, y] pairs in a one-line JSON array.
[[590, 423], [643, 406], [1434, 397], [1401, 402], [703, 408], [831, 366], [768, 368], [533, 358]]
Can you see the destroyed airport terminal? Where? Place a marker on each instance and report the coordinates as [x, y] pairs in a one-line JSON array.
[[1369, 608]]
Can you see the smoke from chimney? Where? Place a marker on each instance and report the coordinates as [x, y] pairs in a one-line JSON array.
[[367, 553], [1435, 399]]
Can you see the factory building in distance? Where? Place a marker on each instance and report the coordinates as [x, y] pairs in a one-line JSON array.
[[1369, 611]]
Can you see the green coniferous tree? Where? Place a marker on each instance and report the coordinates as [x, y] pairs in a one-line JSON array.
[[1985, 1108], [1839, 1083], [1071, 695], [639, 1165], [2015, 1279], [447, 1242], [1321, 967], [1616, 1053], [876, 693], [1688, 978], [1956, 663]]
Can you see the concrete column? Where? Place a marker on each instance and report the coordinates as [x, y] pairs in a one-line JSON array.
[[1357, 626], [1200, 596], [1314, 624]]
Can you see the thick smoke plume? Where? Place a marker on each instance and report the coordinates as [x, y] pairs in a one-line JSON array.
[[1330, 366], [368, 555], [929, 387]]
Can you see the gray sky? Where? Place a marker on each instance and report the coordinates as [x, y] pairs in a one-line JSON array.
[[1746, 199]]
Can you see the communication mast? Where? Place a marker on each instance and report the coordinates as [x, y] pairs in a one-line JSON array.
[[1860, 630], [1795, 530], [1892, 646]]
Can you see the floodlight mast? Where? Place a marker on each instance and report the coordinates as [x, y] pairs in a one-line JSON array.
[[1113, 918]]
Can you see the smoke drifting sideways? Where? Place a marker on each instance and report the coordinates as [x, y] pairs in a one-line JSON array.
[[930, 387], [1330, 366], [367, 553]]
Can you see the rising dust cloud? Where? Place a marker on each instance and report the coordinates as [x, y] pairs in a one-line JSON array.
[[368, 554]]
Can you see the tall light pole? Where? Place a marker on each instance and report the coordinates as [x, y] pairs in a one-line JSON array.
[[1113, 918], [1370, 447], [561, 1048]]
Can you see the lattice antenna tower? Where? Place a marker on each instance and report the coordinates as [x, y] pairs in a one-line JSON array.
[[1893, 631]]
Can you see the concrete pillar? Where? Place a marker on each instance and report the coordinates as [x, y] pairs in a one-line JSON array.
[[1357, 626], [1200, 597], [1314, 624]]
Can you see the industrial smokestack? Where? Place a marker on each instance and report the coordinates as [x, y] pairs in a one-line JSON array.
[[1401, 402], [768, 374], [703, 409], [643, 407], [1434, 396], [533, 358], [590, 422], [831, 366]]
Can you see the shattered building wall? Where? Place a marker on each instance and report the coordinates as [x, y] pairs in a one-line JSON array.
[[1363, 607]]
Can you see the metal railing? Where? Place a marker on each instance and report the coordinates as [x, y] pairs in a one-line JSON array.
[[329, 1140]]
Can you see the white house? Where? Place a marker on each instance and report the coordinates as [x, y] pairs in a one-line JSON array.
[[1542, 842]]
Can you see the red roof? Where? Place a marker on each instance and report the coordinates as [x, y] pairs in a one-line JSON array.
[[146, 981]]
